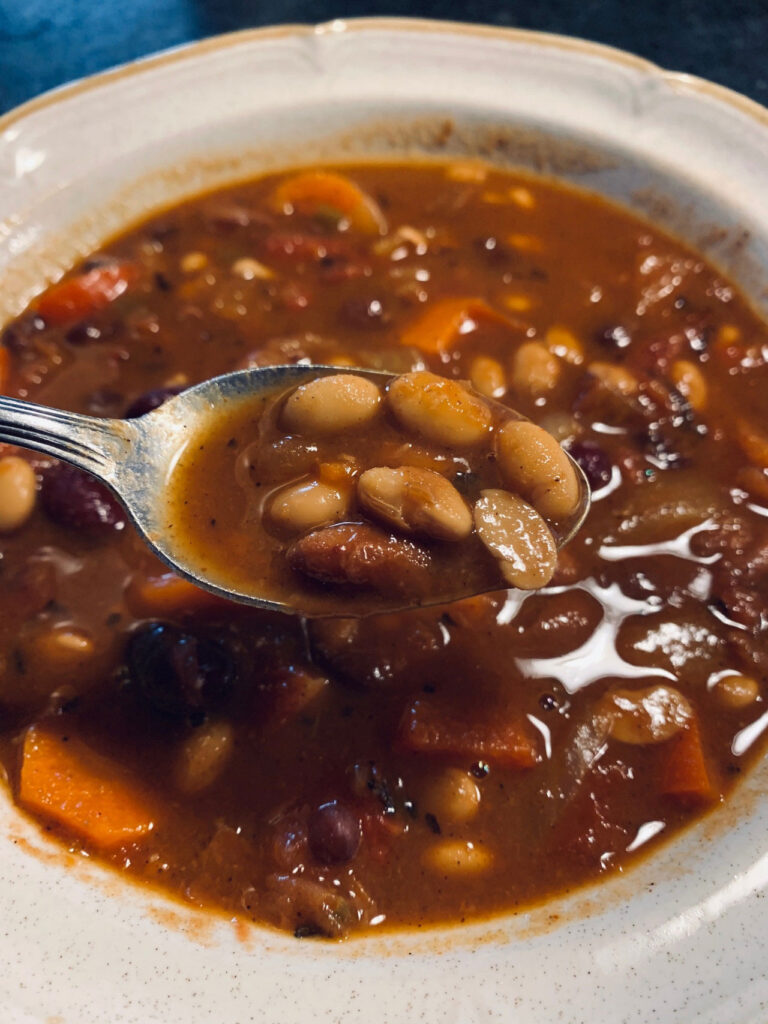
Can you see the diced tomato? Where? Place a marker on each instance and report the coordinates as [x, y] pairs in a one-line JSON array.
[[430, 728], [63, 779], [379, 832], [5, 370], [76, 297], [307, 247], [685, 774], [440, 326]]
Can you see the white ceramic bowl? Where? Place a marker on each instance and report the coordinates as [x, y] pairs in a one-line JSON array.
[[681, 937]]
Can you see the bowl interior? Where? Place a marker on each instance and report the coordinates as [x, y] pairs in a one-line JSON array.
[[78, 166]]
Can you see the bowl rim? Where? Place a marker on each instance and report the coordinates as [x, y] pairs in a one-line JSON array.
[[553, 40]]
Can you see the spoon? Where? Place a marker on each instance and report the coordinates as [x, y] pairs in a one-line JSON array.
[[135, 458]]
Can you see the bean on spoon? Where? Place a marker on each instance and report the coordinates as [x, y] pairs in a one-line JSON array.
[[384, 521]]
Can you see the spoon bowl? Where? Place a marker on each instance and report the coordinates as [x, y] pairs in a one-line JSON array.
[[136, 458]]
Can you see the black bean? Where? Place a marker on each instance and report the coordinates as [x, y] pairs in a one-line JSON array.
[[178, 673], [594, 461], [150, 400], [335, 833], [74, 499]]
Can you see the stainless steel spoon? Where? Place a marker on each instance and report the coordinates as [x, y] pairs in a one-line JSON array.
[[135, 458]]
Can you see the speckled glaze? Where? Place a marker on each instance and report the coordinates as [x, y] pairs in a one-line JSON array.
[[682, 936]]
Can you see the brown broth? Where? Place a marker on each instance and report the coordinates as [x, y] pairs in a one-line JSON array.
[[665, 585]]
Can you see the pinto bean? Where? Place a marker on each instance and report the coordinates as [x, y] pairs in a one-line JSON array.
[[362, 555], [518, 537], [533, 463], [415, 501], [331, 405], [441, 410]]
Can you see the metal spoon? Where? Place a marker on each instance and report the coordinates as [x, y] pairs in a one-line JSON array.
[[135, 458]]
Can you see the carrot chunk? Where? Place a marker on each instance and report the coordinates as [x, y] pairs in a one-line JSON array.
[[168, 594], [319, 193], [685, 774], [441, 325], [63, 779], [429, 728], [77, 297]]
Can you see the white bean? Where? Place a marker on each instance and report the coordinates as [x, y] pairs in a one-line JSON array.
[[17, 492], [441, 410], [650, 715], [452, 796], [415, 501], [737, 691], [203, 756], [331, 405], [533, 463], [307, 505], [457, 857], [518, 537]]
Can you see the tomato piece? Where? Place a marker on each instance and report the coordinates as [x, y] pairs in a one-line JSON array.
[[5, 370], [430, 728], [76, 297]]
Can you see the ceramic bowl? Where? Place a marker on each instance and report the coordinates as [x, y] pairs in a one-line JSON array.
[[679, 937]]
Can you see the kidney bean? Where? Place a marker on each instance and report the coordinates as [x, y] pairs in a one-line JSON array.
[[335, 833], [150, 400], [74, 499], [594, 461], [362, 555]]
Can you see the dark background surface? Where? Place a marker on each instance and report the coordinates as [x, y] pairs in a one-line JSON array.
[[44, 43]]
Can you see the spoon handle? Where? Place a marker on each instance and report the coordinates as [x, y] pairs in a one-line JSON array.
[[92, 444]]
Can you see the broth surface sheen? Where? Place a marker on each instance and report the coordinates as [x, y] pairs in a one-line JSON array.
[[326, 776]]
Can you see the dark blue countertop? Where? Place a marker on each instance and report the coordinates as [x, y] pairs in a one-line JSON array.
[[44, 43]]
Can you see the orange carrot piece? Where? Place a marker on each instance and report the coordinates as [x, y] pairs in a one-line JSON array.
[[431, 729], [63, 779], [439, 326], [311, 191], [77, 297], [168, 594], [685, 774]]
